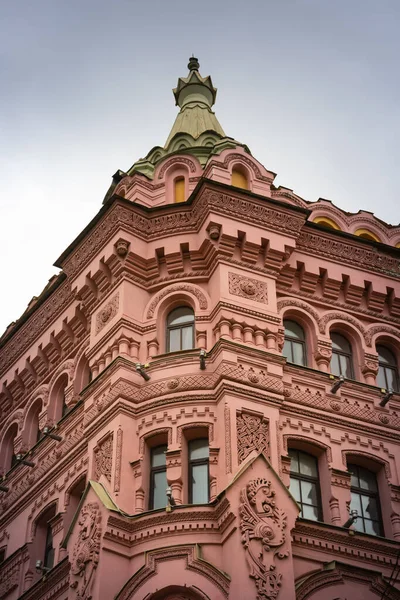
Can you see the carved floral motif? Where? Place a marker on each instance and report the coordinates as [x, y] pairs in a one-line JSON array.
[[262, 527], [85, 556], [252, 434], [107, 313], [249, 288], [103, 453]]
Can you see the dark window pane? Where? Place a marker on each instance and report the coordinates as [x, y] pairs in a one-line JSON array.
[[340, 343], [200, 484], [293, 330], [391, 378], [159, 489], [385, 356], [355, 503], [198, 449], [335, 368], [308, 465], [187, 338], [158, 456], [298, 353], [180, 316], [381, 377], [309, 493], [294, 462], [370, 507], [345, 366], [287, 351], [295, 489], [309, 512], [174, 340], [368, 480]]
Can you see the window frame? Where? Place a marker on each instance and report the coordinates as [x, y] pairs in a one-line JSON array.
[[49, 550], [179, 327], [196, 462], [393, 368], [310, 479], [369, 494], [153, 471], [339, 353], [292, 340]]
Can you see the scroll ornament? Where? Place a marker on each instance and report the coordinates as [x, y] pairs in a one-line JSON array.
[[262, 527], [86, 551]]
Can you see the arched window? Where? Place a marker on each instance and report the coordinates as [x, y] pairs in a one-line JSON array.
[[304, 484], [43, 548], [179, 189], [294, 348], [365, 500], [180, 329], [388, 376], [8, 456], [199, 471], [342, 360], [239, 178], [158, 477], [327, 222], [366, 234]]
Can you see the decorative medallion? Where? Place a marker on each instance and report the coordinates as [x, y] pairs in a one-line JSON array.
[[107, 313], [252, 434], [252, 289]]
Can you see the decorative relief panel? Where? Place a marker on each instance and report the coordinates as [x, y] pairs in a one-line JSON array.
[[103, 454], [185, 287], [262, 527], [107, 313], [86, 551], [252, 434], [118, 459], [249, 288]]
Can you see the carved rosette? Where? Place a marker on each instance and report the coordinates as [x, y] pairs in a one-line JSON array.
[[107, 313], [262, 526], [249, 288], [252, 434], [85, 557]]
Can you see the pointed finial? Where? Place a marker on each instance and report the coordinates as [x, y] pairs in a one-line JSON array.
[[194, 64]]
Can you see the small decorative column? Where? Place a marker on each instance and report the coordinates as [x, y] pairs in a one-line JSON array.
[[323, 355], [237, 332], [139, 493], [213, 465], [225, 329], [248, 335], [201, 338], [271, 341], [260, 338], [370, 368], [340, 497], [135, 346], [152, 348], [174, 474]]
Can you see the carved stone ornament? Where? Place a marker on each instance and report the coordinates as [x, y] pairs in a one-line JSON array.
[[184, 287], [85, 555], [103, 454], [262, 527], [252, 434], [107, 313], [247, 287]]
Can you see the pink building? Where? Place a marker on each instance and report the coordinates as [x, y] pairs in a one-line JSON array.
[[203, 404]]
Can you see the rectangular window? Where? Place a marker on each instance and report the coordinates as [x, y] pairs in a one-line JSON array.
[[304, 484], [49, 550], [199, 471], [158, 477], [365, 500]]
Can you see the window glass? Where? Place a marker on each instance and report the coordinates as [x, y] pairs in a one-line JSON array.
[[158, 456], [199, 471], [341, 361], [365, 500], [199, 484], [49, 550], [159, 489], [388, 373], [180, 329], [294, 348], [304, 484]]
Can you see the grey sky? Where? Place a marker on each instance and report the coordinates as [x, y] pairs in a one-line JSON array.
[[311, 86]]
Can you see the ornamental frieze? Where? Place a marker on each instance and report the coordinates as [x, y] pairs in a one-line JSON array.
[[252, 432], [107, 313], [262, 527], [246, 287], [367, 258]]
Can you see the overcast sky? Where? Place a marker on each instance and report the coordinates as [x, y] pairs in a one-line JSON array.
[[311, 86]]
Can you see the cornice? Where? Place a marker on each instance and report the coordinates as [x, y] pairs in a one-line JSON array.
[[52, 586], [352, 252], [337, 540]]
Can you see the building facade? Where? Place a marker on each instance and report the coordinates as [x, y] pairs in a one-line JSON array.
[[204, 403]]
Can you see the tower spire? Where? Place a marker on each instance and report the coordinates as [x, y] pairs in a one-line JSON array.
[[195, 95]]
